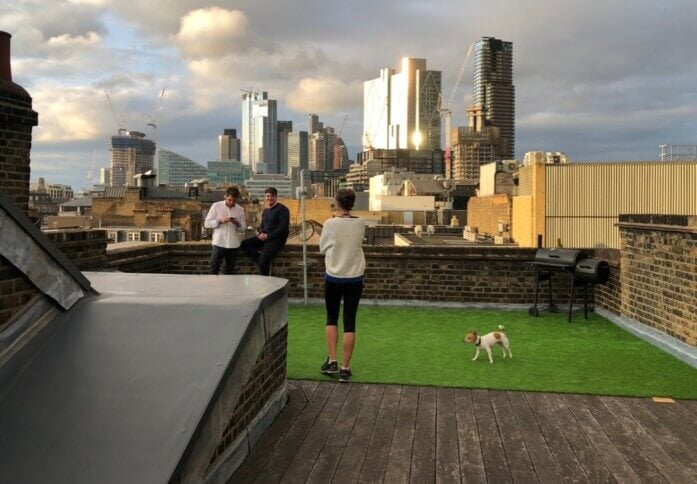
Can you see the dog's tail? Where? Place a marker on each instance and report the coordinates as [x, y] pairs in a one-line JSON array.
[[502, 328]]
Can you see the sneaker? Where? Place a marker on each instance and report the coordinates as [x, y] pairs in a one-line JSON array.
[[330, 368], [345, 375]]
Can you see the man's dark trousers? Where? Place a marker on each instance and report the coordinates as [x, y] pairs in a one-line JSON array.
[[217, 256], [262, 253]]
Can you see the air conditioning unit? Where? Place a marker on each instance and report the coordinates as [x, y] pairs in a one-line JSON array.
[[533, 157], [509, 166]]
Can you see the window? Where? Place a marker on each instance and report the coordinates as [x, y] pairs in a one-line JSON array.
[[112, 236], [134, 236], [156, 237]]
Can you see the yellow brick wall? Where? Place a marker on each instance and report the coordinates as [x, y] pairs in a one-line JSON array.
[[486, 213]]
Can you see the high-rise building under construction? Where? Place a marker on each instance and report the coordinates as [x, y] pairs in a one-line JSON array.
[[494, 91], [400, 110], [131, 154]]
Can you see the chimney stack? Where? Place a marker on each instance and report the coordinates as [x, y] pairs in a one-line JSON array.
[[5, 70]]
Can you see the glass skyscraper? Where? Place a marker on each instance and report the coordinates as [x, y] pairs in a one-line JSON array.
[[175, 169], [494, 91], [259, 145]]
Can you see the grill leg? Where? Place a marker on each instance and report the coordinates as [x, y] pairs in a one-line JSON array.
[[533, 311], [585, 300]]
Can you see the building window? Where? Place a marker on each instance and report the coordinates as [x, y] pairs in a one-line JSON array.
[[134, 236], [112, 236], [156, 237]]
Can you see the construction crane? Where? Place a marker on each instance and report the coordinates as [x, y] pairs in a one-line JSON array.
[[445, 110], [153, 123], [90, 173], [118, 117]]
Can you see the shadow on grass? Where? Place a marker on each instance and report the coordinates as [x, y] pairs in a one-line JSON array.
[[413, 346]]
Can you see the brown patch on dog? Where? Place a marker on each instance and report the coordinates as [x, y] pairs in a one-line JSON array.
[[497, 335]]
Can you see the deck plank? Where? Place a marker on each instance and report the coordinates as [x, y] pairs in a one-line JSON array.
[[399, 459], [662, 434], [565, 457], [331, 432], [493, 454], [341, 432], [619, 467], [670, 469], [424, 454], [351, 461], [469, 448], [304, 460], [679, 419], [285, 451], [373, 468], [622, 439], [588, 457], [543, 462], [519, 463], [260, 455], [447, 458]]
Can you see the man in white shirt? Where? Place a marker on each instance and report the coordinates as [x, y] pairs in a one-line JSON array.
[[226, 218]]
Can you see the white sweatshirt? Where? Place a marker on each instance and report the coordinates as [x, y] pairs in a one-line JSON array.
[[225, 235], [342, 244]]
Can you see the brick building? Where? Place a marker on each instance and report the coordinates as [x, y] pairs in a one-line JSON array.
[[129, 212]]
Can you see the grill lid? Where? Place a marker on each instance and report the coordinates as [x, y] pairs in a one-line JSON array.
[[559, 257]]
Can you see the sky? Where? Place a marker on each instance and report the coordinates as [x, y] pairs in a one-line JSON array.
[[599, 80]]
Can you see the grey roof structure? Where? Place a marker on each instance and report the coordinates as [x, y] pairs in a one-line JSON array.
[[123, 381]]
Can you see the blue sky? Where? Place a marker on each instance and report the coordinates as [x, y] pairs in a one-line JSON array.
[[598, 80]]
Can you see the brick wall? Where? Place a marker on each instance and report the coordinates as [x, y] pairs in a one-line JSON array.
[[496, 275], [268, 375], [608, 296], [16, 122], [659, 273], [85, 248], [485, 213], [15, 291]]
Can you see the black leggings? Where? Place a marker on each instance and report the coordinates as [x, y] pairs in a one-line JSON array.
[[351, 293]]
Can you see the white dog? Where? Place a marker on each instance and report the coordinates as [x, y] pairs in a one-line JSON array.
[[489, 340]]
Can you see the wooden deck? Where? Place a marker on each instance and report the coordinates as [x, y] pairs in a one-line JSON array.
[[332, 432]]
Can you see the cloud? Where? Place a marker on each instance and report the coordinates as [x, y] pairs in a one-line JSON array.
[[68, 114], [213, 32], [89, 39], [324, 95]]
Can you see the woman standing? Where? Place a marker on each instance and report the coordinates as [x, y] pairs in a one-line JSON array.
[[342, 245]]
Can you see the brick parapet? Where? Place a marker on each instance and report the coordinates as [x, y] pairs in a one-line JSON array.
[[85, 248], [16, 290], [659, 273]]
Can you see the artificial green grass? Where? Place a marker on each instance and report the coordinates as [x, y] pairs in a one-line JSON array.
[[423, 346]]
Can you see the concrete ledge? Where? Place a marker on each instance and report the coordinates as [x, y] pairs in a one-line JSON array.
[[424, 304], [670, 345]]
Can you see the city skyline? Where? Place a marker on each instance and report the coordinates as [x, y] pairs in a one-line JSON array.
[[597, 81]]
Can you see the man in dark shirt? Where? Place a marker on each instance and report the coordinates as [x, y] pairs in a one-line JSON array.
[[272, 234]]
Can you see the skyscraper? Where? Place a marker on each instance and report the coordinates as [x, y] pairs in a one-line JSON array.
[[175, 169], [131, 154], [494, 91], [284, 128], [400, 110], [259, 139], [297, 150], [229, 145]]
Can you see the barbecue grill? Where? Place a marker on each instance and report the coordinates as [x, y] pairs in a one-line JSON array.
[[581, 270]]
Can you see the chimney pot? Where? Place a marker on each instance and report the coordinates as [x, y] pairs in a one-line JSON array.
[[5, 71]]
